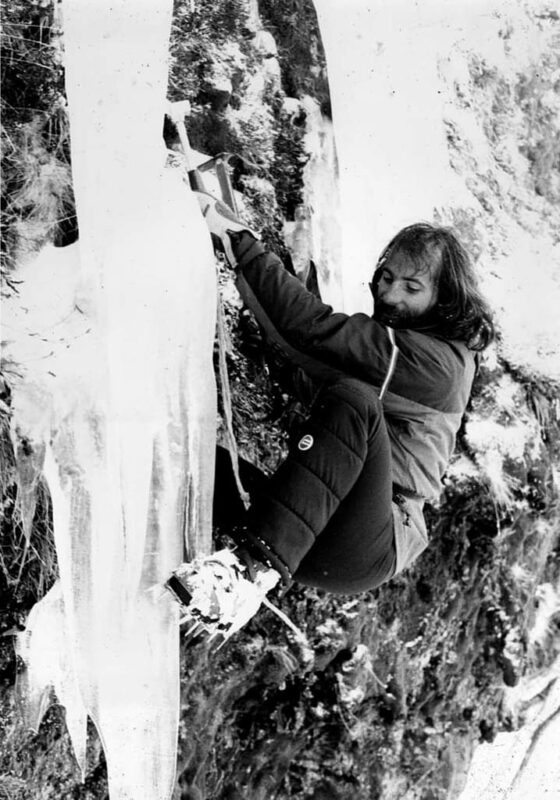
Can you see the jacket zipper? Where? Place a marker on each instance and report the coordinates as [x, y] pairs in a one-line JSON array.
[[392, 362]]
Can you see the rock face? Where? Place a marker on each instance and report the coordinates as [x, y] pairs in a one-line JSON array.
[[400, 685]]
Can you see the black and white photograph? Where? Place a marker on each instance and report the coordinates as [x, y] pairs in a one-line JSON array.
[[280, 400]]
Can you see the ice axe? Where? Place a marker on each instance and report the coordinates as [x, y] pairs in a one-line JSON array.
[[177, 112]]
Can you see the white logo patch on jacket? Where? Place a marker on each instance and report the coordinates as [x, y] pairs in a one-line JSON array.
[[306, 442]]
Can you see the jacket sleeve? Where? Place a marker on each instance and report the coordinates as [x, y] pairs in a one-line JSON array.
[[302, 319], [356, 344], [298, 315]]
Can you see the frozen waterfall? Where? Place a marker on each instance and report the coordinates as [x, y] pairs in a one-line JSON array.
[[114, 336]]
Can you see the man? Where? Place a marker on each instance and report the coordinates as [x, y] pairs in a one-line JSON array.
[[386, 395]]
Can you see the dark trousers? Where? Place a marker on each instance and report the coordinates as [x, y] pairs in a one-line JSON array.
[[326, 513]]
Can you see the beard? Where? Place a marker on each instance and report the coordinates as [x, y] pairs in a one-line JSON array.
[[388, 315]]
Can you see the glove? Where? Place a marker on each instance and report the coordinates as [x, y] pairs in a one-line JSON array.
[[221, 222]]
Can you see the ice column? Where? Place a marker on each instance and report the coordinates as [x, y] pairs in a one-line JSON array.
[[121, 399], [321, 196]]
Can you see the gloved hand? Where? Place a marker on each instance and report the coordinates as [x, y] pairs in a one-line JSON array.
[[221, 222]]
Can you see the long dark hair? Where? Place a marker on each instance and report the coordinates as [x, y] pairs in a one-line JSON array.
[[461, 312]]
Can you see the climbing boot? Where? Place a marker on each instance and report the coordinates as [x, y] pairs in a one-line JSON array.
[[216, 594]]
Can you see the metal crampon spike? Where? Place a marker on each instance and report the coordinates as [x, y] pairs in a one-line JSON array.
[[194, 630], [227, 635], [214, 637]]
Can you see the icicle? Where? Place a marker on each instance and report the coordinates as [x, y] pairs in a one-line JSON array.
[[46, 649], [118, 388], [321, 195], [29, 451], [227, 406]]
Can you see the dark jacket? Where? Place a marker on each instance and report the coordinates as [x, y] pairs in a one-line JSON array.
[[423, 401]]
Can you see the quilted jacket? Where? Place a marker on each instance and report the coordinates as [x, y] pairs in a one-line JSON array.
[[424, 380]]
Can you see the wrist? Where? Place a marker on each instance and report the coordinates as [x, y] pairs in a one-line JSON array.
[[245, 246]]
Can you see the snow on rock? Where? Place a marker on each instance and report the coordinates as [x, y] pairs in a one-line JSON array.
[[523, 763], [525, 291], [500, 113]]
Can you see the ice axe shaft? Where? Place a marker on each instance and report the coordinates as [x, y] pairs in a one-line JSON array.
[[177, 112]]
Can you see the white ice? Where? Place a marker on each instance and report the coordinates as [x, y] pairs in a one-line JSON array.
[[114, 336], [322, 198]]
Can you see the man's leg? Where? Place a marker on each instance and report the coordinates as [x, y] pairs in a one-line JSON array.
[[325, 516], [356, 551]]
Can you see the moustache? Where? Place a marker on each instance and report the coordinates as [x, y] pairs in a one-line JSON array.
[[389, 315]]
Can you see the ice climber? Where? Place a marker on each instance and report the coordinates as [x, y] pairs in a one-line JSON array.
[[385, 396]]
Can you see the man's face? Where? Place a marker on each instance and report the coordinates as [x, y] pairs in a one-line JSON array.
[[404, 294]]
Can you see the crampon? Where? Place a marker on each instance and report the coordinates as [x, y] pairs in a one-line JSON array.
[[218, 598]]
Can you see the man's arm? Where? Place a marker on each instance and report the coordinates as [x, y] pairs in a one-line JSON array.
[[294, 312], [297, 314]]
